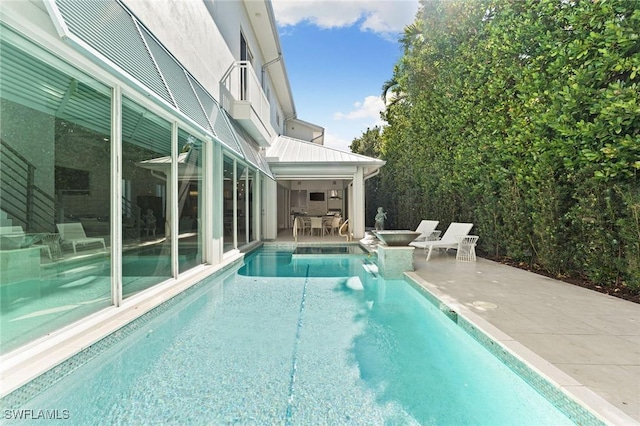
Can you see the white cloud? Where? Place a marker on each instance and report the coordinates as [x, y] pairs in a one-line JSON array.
[[370, 108], [332, 140], [365, 114], [380, 16]]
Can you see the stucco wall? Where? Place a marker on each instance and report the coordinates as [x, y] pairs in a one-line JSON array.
[[299, 130]]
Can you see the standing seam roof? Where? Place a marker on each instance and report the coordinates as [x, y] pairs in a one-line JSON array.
[[290, 150]]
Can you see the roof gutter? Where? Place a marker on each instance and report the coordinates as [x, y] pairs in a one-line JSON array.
[[274, 29], [372, 174]]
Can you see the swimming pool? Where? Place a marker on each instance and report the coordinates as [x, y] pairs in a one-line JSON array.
[[312, 348]]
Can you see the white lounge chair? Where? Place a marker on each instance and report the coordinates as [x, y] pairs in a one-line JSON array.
[[74, 233], [16, 238], [449, 238], [12, 233], [427, 230]]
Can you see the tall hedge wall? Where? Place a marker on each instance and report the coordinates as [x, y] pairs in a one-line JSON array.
[[523, 117]]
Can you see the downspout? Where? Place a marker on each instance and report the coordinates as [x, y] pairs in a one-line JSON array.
[[371, 175], [318, 137], [284, 123], [265, 66]]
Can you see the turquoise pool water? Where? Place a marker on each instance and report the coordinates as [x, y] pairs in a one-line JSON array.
[[291, 341]]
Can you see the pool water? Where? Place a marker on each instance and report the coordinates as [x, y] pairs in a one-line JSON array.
[[279, 263], [311, 348]]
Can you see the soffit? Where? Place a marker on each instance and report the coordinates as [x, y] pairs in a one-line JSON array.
[[264, 24]]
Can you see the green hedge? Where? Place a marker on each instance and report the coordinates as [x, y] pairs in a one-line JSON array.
[[522, 117]]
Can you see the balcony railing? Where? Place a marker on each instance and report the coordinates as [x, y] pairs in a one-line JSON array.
[[242, 96]]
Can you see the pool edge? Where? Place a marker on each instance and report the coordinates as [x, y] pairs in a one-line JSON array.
[[553, 382]]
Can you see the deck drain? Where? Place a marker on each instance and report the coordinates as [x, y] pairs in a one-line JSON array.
[[484, 306]]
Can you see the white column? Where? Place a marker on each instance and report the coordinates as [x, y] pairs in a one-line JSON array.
[[257, 205], [116, 196], [235, 204], [358, 204], [270, 208], [247, 236], [172, 182]]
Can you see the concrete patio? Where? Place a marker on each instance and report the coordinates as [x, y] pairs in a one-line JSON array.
[[587, 341]]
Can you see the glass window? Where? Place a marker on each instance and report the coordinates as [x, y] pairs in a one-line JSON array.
[[228, 195], [54, 196], [146, 214], [189, 201], [242, 212]]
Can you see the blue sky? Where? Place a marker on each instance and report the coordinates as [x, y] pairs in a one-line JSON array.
[[338, 54]]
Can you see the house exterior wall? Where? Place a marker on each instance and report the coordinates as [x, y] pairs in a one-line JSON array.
[[208, 41], [161, 187], [130, 180], [188, 31], [299, 129]]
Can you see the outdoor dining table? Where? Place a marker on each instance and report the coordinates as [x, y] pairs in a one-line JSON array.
[[320, 222]]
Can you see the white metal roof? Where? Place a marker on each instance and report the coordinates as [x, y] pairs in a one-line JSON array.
[[289, 150], [289, 157]]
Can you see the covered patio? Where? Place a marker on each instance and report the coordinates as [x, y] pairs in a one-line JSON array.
[[313, 180]]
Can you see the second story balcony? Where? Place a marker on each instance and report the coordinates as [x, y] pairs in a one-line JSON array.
[[242, 97]]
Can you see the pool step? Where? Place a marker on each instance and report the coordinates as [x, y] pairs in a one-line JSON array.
[[371, 269]]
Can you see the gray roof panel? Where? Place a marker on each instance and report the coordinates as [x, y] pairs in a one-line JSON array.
[[114, 32], [110, 29]]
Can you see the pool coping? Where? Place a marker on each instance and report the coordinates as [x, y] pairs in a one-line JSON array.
[[582, 405]]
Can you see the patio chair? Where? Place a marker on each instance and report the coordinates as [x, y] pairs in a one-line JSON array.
[[306, 224], [74, 233], [449, 238], [298, 228], [332, 225], [316, 223], [427, 230], [14, 237]]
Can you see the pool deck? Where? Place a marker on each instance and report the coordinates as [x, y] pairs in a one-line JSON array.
[[591, 337], [585, 341]]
